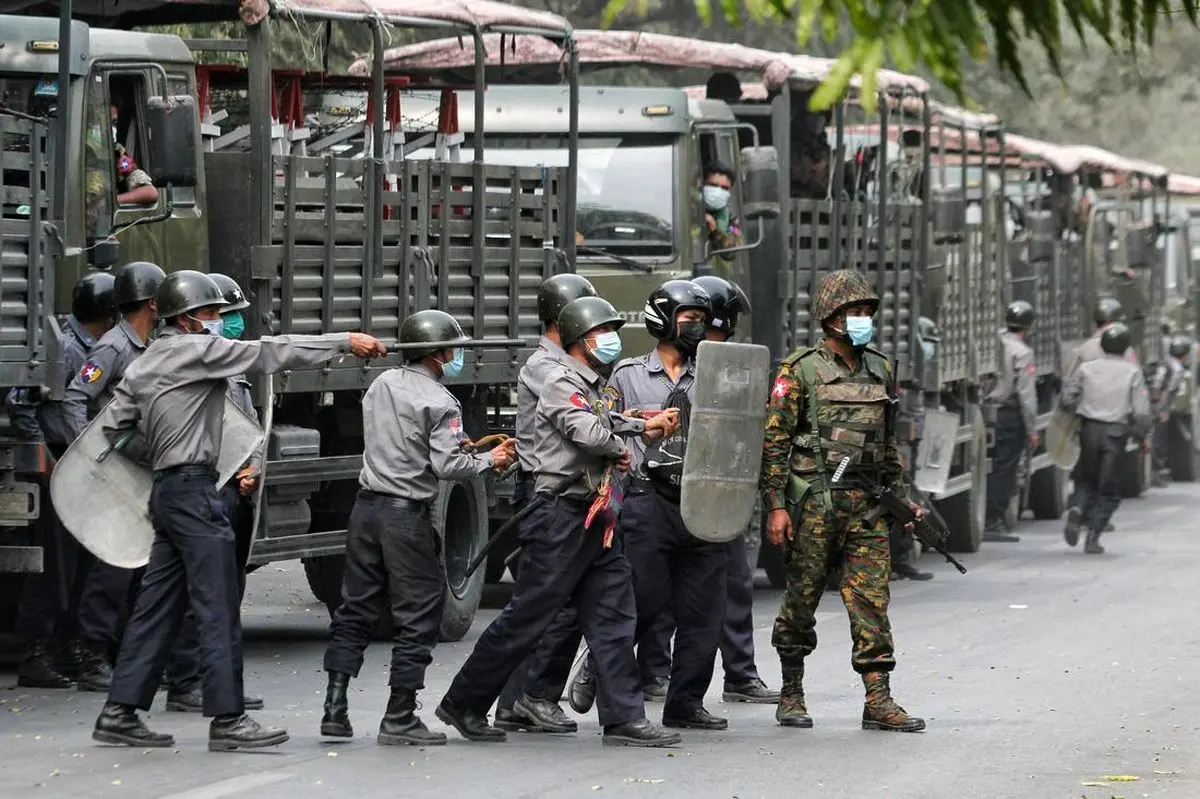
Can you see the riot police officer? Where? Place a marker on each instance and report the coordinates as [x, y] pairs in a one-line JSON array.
[[173, 398], [1014, 401], [529, 700], [1109, 395], [49, 599], [1169, 377], [564, 558], [413, 434], [106, 592], [823, 522]]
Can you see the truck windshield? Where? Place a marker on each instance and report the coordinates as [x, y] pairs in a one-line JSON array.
[[626, 188]]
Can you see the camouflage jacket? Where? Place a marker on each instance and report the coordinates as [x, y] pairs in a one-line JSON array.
[[720, 239], [850, 412]]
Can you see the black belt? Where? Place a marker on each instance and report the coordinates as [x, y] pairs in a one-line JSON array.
[[578, 503], [199, 469], [404, 502]]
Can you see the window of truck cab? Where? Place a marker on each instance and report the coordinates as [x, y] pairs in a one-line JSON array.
[[126, 92], [625, 198]]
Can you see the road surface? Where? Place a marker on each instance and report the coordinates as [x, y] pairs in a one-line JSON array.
[[1040, 673]]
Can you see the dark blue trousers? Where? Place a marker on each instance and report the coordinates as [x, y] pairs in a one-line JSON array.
[[1098, 473], [193, 563], [562, 564], [392, 562]]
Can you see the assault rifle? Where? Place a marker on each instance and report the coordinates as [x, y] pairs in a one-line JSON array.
[[927, 529]]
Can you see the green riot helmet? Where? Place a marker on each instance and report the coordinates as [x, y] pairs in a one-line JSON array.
[[185, 291], [235, 299], [556, 292], [1115, 339], [437, 328], [92, 299], [585, 314], [1108, 310], [137, 282], [841, 289], [1018, 315]]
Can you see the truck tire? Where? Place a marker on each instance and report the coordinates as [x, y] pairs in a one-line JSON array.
[[460, 515], [1048, 493], [1181, 455], [965, 513]]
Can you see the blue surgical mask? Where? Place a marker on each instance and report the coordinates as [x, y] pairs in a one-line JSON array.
[[211, 326], [860, 329], [453, 367], [608, 347], [928, 350], [233, 325], [715, 197]]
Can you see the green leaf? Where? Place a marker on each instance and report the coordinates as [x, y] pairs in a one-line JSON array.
[[870, 72], [838, 80], [809, 9], [904, 54]]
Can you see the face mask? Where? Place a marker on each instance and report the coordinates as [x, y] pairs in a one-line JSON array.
[[715, 197], [211, 326], [928, 350], [453, 367], [860, 330], [233, 325], [608, 347], [689, 337]]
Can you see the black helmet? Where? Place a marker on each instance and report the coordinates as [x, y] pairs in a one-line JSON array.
[[1018, 315], [1109, 310], [728, 300], [430, 327], [185, 291], [235, 300], [1115, 339], [927, 329], [668, 300], [584, 314], [92, 299], [555, 292], [1180, 347], [137, 282]]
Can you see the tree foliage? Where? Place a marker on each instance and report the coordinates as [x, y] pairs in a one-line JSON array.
[[939, 33]]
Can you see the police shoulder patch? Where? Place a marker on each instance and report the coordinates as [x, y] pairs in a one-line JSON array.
[[580, 402], [91, 372]]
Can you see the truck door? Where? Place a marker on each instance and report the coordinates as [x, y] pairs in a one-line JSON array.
[[721, 146]]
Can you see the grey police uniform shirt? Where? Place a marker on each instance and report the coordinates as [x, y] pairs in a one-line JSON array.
[[1172, 381], [1090, 350], [412, 429], [174, 395], [572, 432], [46, 419], [93, 385], [1108, 389], [1016, 387], [642, 383]]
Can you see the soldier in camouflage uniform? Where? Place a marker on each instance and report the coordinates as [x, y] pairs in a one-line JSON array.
[[829, 407], [720, 229]]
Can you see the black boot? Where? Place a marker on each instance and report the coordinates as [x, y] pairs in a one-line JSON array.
[[69, 658], [1092, 545], [336, 721], [119, 724], [639, 733], [230, 733], [470, 725], [401, 726], [37, 669], [94, 673]]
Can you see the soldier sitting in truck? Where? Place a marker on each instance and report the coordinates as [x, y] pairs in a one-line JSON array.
[[134, 186], [720, 226]]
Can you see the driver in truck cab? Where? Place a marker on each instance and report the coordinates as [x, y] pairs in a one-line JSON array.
[[134, 186]]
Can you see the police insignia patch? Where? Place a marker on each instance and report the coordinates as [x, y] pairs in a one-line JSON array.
[[781, 387], [90, 372], [1032, 369], [580, 402], [456, 428]]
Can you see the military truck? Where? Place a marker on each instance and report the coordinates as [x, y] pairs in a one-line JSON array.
[[878, 230], [1181, 246], [322, 243]]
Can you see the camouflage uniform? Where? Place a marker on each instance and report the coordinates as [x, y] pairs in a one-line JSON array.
[[829, 528], [719, 240]]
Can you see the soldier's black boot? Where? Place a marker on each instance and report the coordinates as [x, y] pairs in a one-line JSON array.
[[470, 725], [37, 669], [336, 720], [400, 726], [1092, 545], [230, 733], [880, 711], [69, 658], [791, 711], [94, 673], [119, 724]]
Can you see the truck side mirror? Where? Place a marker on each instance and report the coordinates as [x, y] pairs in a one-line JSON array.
[[171, 140], [760, 183], [104, 254], [1043, 235], [949, 214], [1138, 244]]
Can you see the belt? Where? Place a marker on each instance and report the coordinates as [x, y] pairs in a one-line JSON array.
[[404, 502], [198, 469], [578, 503]]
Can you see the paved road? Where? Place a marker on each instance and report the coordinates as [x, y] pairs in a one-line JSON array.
[[1039, 672]]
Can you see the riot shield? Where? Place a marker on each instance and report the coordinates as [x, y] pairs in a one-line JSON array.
[[260, 493], [935, 453], [1062, 439], [725, 438], [115, 525]]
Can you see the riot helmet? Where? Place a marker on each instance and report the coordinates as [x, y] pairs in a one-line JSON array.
[[1115, 339], [1018, 315], [437, 328], [137, 282], [842, 289], [666, 301], [1108, 310], [555, 292], [1180, 347], [728, 301], [93, 298], [235, 299], [186, 290], [585, 314]]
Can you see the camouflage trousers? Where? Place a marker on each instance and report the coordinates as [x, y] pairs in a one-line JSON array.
[[862, 553]]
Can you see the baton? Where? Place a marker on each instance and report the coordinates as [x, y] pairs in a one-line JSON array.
[[119, 444]]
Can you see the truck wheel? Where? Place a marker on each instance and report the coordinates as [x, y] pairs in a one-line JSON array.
[[771, 559], [1182, 453], [460, 516], [324, 576], [1048, 493], [965, 513]]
